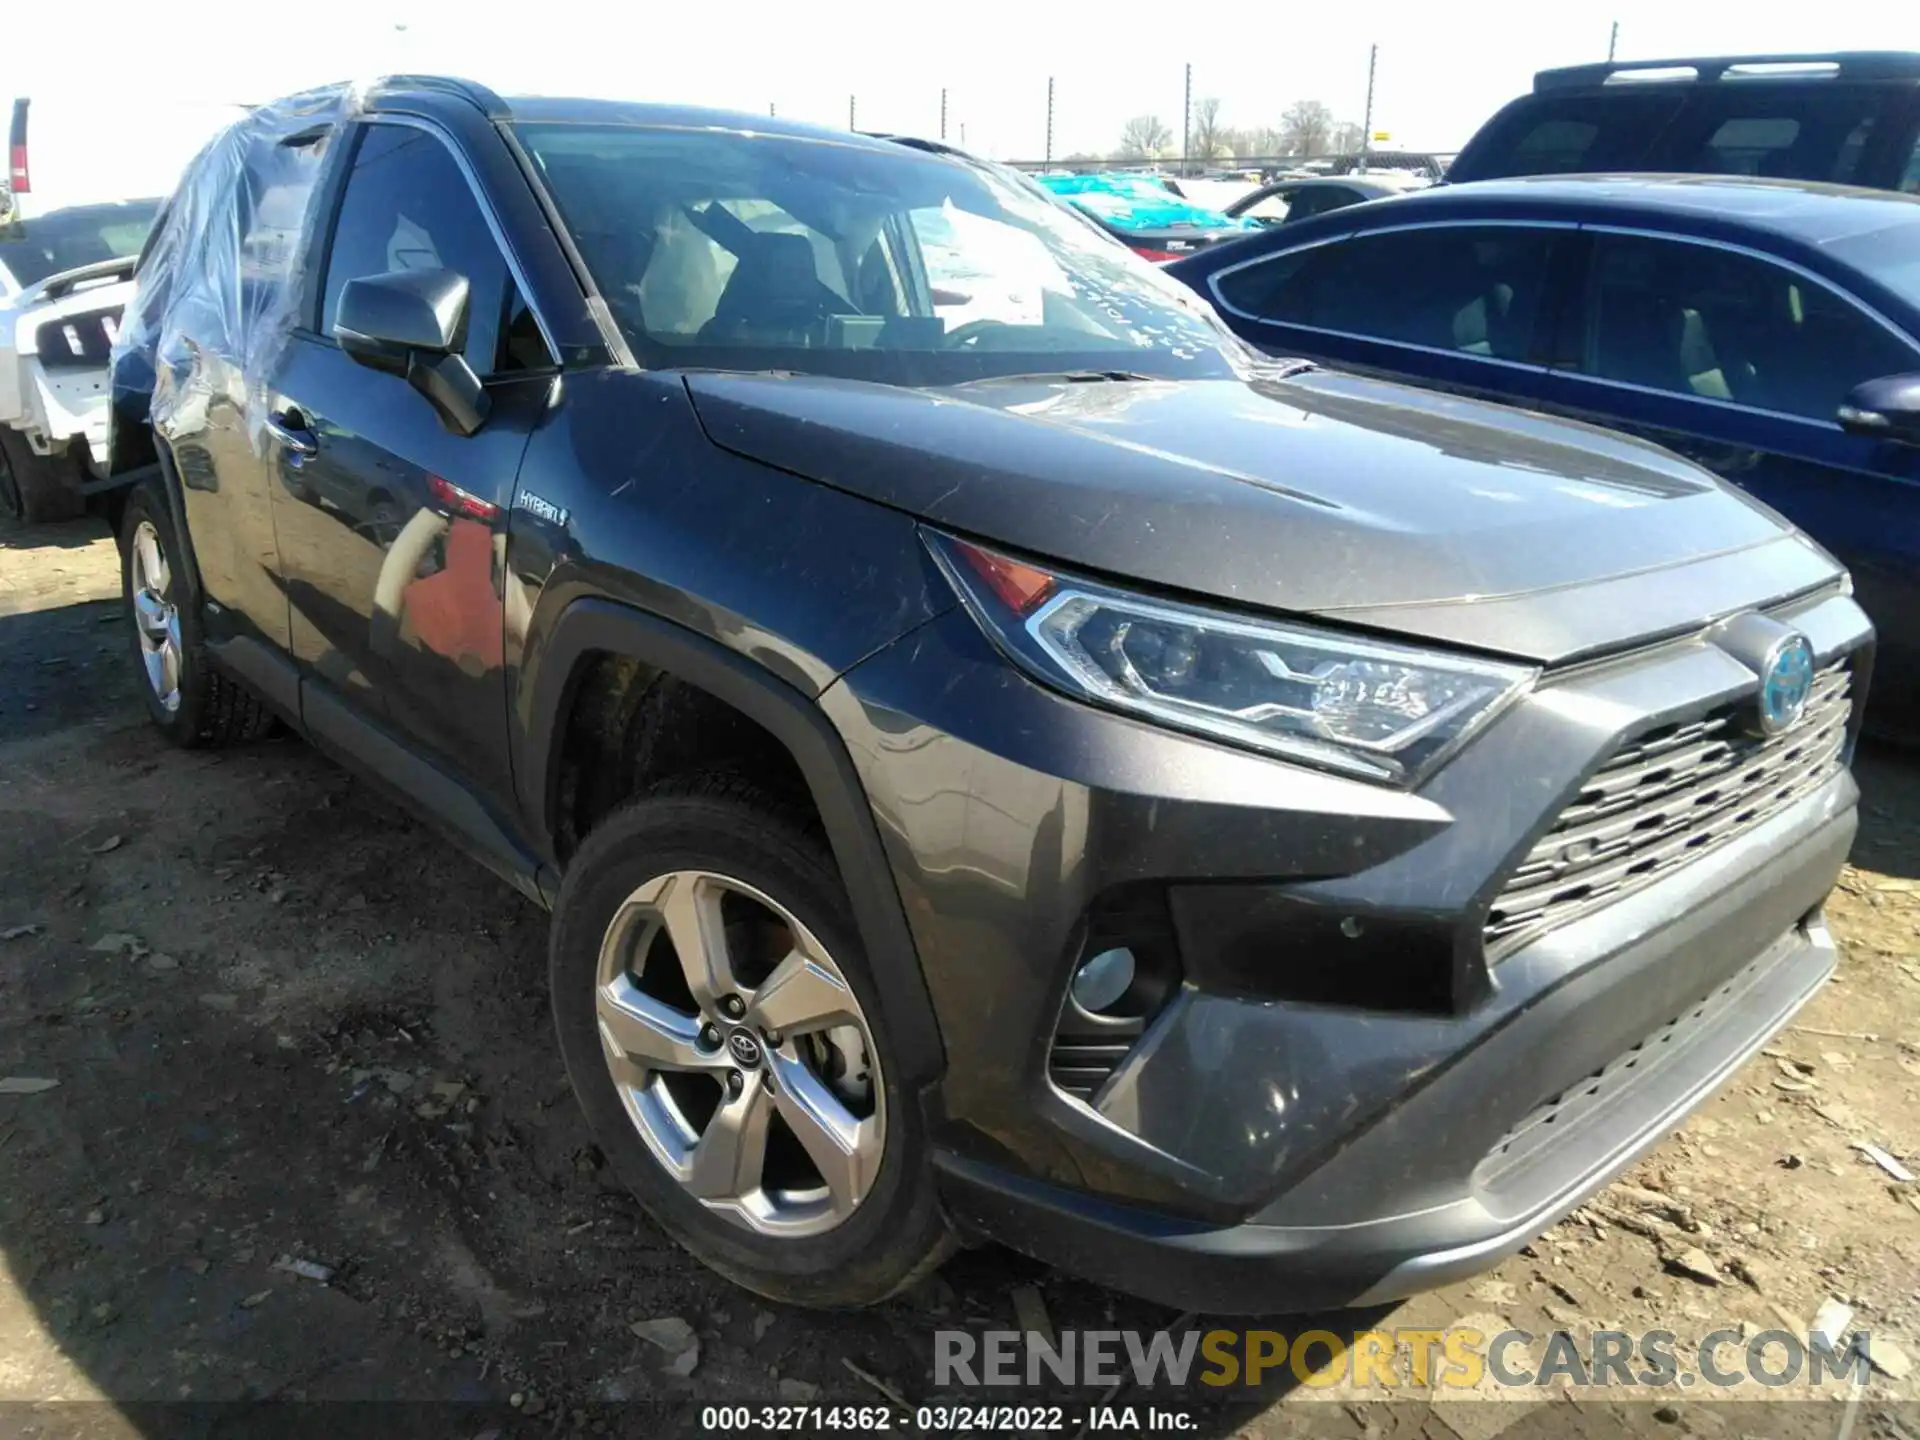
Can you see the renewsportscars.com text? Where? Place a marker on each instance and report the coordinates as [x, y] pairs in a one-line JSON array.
[[1460, 1357]]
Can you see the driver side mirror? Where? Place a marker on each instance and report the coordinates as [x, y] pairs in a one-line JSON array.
[[412, 323], [1884, 409]]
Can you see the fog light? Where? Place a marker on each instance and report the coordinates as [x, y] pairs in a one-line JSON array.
[[1101, 982]]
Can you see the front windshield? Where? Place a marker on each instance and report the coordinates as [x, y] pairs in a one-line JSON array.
[[32, 249], [728, 250]]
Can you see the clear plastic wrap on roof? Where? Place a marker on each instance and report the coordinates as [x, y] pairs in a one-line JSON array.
[[219, 287]]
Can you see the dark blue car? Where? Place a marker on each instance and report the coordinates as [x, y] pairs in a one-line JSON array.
[[1769, 330]]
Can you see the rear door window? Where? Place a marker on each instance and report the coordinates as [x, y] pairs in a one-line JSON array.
[[1700, 321], [1807, 130], [1568, 134], [1555, 146], [1472, 289], [272, 209], [1749, 145]]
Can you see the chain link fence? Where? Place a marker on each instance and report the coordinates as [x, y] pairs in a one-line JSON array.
[[1431, 164]]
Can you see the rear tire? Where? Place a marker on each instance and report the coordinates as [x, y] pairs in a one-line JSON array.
[[892, 1233], [37, 489], [189, 701]]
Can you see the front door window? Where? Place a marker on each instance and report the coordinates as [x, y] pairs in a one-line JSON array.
[[1704, 321]]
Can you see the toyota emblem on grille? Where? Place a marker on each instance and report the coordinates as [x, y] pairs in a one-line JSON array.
[[1785, 683]]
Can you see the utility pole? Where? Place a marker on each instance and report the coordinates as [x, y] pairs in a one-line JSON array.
[[1186, 122], [1366, 126], [772, 109], [943, 112], [1049, 164], [850, 122], [1613, 41]]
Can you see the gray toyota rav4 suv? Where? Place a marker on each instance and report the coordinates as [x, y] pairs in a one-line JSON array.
[[1004, 760]]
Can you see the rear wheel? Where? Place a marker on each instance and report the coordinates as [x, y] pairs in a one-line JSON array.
[[36, 488], [189, 701], [716, 1016]]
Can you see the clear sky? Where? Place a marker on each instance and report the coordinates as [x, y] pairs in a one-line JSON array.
[[118, 71]]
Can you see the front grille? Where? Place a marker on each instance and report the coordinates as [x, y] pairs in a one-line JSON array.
[[1668, 797], [1087, 1048], [1080, 1065]]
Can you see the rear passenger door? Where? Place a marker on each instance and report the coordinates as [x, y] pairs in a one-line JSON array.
[[1740, 362], [391, 527], [1464, 306], [209, 427]]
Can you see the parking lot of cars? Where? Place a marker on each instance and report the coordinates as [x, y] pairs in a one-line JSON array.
[[1255, 834], [286, 1022]]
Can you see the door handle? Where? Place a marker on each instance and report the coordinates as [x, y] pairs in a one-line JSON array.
[[289, 427]]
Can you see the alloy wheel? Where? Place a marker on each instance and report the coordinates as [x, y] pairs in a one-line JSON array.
[[740, 1053], [156, 620]]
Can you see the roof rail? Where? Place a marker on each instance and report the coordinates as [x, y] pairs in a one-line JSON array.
[[490, 104], [1846, 65]]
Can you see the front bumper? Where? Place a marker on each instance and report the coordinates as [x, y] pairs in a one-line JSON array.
[[1456, 1205], [1345, 1101]]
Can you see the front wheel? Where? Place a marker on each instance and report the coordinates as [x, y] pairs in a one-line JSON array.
[[717, 1019]]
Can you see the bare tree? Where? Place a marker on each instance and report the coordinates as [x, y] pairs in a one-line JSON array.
[[1306, 127], [1144, 137], [1257, 140], [1347, 137], [1208, 135]]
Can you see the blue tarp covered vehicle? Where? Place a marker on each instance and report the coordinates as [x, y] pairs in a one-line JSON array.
[[1144, 214]]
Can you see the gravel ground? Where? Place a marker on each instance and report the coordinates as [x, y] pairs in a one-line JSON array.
[[291, 1028]]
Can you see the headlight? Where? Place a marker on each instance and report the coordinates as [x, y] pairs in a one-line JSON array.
[[1385, 712]]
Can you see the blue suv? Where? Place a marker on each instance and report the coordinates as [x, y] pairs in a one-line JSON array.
[[1769, 330]]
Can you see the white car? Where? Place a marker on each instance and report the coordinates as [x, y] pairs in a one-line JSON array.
[[67, 255], [64, 277]]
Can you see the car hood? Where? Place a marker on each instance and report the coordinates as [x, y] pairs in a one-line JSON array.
[[1322, 494]]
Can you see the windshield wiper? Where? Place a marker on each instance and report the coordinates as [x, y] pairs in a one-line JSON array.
[[1070, 377]]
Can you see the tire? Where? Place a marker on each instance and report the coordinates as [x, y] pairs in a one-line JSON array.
[[202, 708], [37, 489], [892, 1236], [383, 521]]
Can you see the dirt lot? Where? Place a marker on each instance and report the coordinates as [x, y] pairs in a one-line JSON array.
[[288, 1024]]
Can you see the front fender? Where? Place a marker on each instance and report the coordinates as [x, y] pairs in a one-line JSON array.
[[797, 722]]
